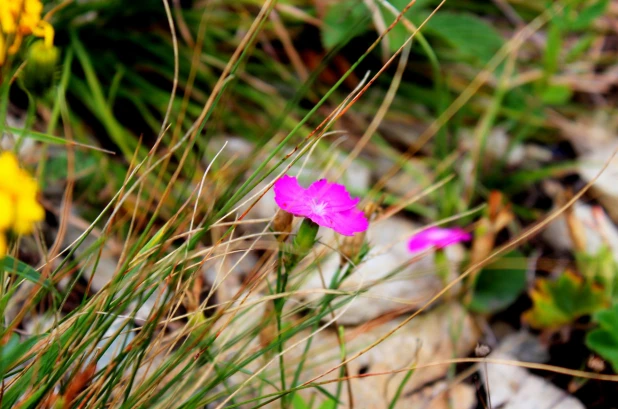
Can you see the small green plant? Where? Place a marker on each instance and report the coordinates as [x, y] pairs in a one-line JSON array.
[[560, 302], [604, 339]]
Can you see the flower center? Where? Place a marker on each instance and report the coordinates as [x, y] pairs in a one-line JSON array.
[[318, 208]]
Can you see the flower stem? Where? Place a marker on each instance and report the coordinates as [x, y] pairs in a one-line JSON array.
[[282, 280], [302, 245], [5, 86], [30, 116], [442, 265]]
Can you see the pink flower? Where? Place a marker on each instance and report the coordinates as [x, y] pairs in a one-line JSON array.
[[327, 204], [437, 237]]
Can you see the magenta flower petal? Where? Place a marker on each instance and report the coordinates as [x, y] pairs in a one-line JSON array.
[[327, 204], [335, 195], [437, 237], [291, 196], [349, 222]]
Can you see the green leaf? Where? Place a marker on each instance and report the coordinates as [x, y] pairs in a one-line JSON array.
[[23, 270], [18, 389], [40, 137], [91, 172], [499, 284], [10, 354], [119, 135], [399, 34], [298, 402], [556, 94], [470, 37], [552, 50], [560, 302], [601, 268], [47, 362], [14, 350], [585, 17], [604, 339], [343, 21], [328, 404]]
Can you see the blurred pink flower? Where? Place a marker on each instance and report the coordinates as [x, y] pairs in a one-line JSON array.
[[327, 204], [437, 237]]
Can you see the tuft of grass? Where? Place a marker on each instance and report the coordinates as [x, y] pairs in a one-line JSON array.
[[139, 293]]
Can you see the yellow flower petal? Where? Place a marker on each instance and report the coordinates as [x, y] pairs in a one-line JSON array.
[[19, 18], [7, 211], [2, 49], [27, 213], [7, 19], [19, 208], [2, 245], [10, 174]]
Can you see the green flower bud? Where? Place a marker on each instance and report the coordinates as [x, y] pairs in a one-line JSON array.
[[305, 238], [39, 73]]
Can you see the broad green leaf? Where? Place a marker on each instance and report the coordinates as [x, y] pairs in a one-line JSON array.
[[343, 21], [328, 404], [298, 402], [470, 37], [585, 17], [604, 339], [556, 94], [399, 34], [499, 284], [562, 301]]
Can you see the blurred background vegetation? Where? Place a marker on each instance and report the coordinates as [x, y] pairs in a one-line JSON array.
[[504, 106]]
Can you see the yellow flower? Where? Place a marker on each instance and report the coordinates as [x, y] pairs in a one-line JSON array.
[[2, 245], [7, 211], [20, 18], [19, 208], [27, 213]]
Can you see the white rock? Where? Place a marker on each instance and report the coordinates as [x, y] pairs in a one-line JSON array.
[[411, 287], [426, 339], [356, 178], [227, 273], [605, 187], [535, 154], [405, 133], [106, 265], [597, 226], [589, 134], [441, 395], [124, 338], [497, 148], [512, 387], [149, 305], [524, 346], [40, 324], [416, 176], [235, 146], [594, 140]]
